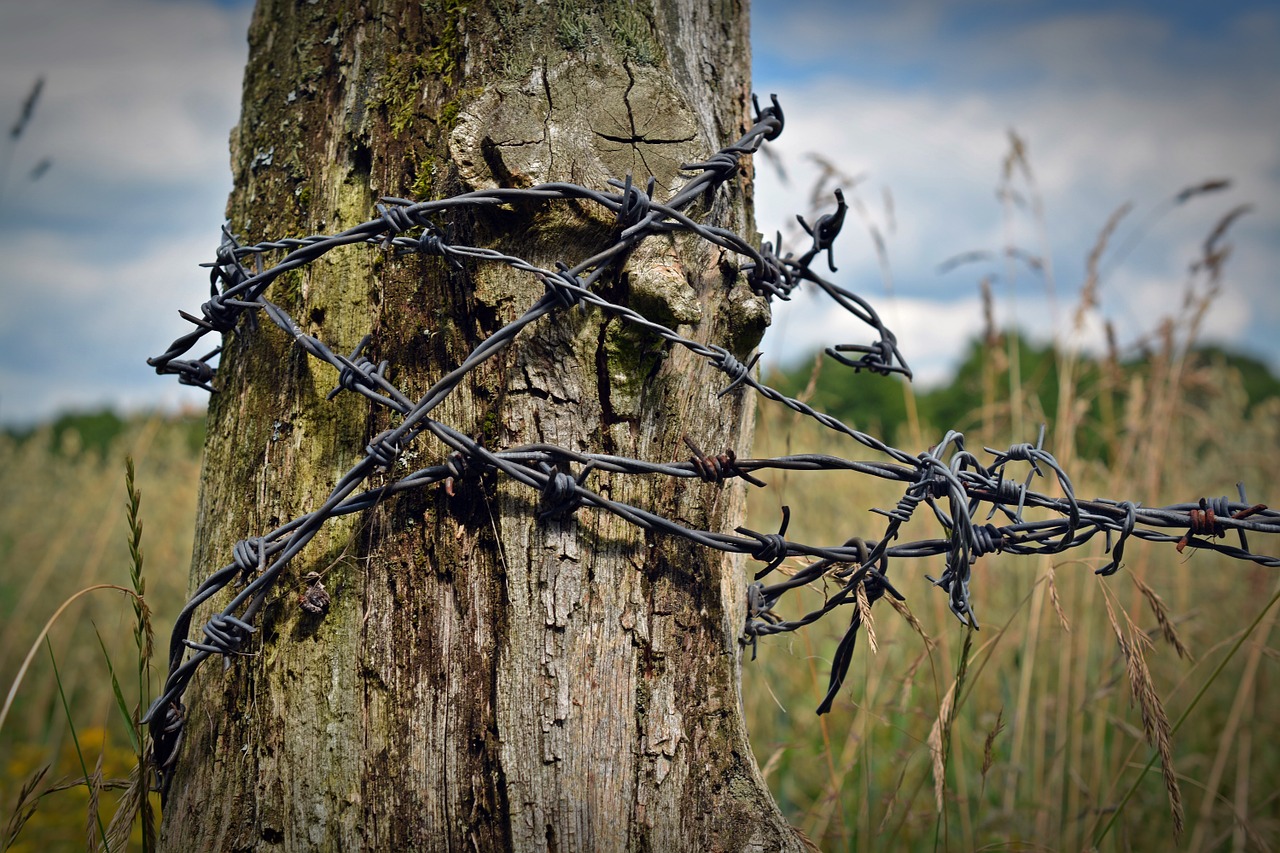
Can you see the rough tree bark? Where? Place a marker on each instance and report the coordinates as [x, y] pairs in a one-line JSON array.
[[481, 680]]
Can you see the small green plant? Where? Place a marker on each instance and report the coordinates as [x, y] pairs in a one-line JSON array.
[[136, 802], [93, 782], [134, 805]]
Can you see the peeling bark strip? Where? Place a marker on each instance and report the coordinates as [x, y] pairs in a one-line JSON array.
[[479, 680]]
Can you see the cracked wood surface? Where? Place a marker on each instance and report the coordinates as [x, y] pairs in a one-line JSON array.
[[482, 681]]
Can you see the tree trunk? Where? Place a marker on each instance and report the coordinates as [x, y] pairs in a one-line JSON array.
[[482, 679]]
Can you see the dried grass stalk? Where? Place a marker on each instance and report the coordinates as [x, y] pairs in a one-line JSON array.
[[1155, 722], [905, 612], [92, 824], [28, 110], [1057, 602], [908, 678], [939, 735], [1089, 293], [1161, 612], [127, 809], [24, 808], [892, 802], [864, 614], [989, 333], [988, 751]]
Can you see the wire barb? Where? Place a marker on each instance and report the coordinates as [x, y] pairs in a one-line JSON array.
[[949, 482]]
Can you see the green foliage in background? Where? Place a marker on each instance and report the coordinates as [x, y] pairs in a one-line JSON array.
[[97, 432], [878, 404]]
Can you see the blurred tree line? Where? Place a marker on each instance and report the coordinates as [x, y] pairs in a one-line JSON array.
[[96, 432], [878, 405], [978, 394]]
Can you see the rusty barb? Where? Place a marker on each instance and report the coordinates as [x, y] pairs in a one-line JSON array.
[[955, 485]]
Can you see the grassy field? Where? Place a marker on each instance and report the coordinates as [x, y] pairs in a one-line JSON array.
[[1024, 735], [1027, 734], [1125, 713], [63, 530], [1043, 736]]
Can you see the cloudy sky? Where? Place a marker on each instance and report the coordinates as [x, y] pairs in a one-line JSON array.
[[1116, 103], [910, 104]]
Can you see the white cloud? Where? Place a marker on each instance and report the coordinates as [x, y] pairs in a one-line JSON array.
[[1114, 108], [77, 333], [138, 100], [135, 89]]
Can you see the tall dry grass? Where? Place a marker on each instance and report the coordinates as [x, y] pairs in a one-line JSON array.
[[68, 550], [1042, 721], [1028, 732], [1130, 712]]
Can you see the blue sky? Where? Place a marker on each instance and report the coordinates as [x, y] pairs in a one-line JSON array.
[[911, 102]]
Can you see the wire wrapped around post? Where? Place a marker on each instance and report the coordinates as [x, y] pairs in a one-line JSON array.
[[951, 483]]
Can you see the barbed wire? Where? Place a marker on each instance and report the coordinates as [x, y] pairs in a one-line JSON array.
[[949, 480]]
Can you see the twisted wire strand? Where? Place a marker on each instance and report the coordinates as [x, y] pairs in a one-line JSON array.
[[950, 481]]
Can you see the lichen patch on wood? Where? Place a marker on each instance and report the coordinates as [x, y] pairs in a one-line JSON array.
[[480, 679]]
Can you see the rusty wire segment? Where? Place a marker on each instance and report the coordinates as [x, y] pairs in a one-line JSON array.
[[962, 494]]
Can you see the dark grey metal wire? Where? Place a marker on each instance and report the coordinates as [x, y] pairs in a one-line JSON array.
[[952, 482]]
